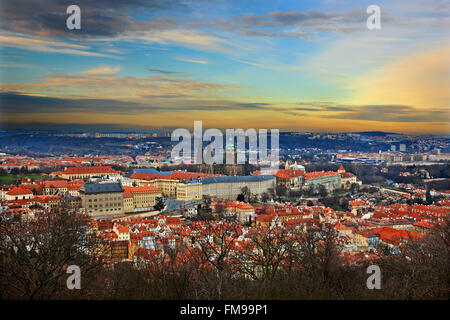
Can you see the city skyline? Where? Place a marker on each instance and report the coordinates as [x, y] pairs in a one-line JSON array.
[[292, 65]]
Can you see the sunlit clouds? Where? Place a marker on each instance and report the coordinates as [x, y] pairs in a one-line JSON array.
[[287, 65]]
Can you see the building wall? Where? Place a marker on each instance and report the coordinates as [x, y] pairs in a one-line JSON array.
[[18, 196], [144, 199], [230, 190], [52, 191], [103, 204], [168, 187], [128, 205], [291, 182], [331, 182], [189, 191], [347, 182]]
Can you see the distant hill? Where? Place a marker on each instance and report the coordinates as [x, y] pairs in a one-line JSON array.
[[376, 133]]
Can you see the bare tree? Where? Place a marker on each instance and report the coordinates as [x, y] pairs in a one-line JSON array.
[[268, 250], [217, 252], [35, 253], [245, 191]]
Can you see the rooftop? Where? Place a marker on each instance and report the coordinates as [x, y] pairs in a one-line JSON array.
[[90, 188]]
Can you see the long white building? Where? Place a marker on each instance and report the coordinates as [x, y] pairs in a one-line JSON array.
[[229, 187]]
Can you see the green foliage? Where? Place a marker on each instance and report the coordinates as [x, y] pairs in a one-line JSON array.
[[159, 204]]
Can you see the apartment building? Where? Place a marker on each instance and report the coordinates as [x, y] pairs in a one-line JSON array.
[[330, 180], [53, 187], [229, 188], [102, 199], [18, 194], [189, 190], [142, 198]]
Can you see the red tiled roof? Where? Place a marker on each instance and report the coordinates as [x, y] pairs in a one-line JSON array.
[[18, 191], [347, 175], [122, 229], [173, 220], [127, 194], [146, 188], [424, 224], [289, 173], [46, 199], [55, 184], [176, 175], [264, 218], [312, 175], [355, 203], [89, 170]]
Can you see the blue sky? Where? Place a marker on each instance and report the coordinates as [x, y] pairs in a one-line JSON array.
[[293, 65]]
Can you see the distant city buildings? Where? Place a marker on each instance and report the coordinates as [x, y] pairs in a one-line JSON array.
[[389, 157], [121, 205]]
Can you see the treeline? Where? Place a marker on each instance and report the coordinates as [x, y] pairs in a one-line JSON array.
[[279, 263]]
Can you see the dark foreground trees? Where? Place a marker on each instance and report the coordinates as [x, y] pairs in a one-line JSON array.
[[35, 254], [303, 262]]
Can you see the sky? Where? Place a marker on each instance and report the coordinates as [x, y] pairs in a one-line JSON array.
[[304, 65]]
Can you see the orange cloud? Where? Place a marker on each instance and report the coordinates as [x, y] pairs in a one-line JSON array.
[[101, 70]]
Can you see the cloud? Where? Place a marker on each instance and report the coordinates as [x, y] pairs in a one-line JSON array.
[[49, 46], [188, 38], [18, 108], [393, 113], [99, 17], [166, 72], [295, 24], [104, 21], [199, 61], [296, 17], [101, 70], [14, 103], [116, 20], [380, 113], [97, 83], [42, 125]]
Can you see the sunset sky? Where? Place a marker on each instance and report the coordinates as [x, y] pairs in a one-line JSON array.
[[303, 65]]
